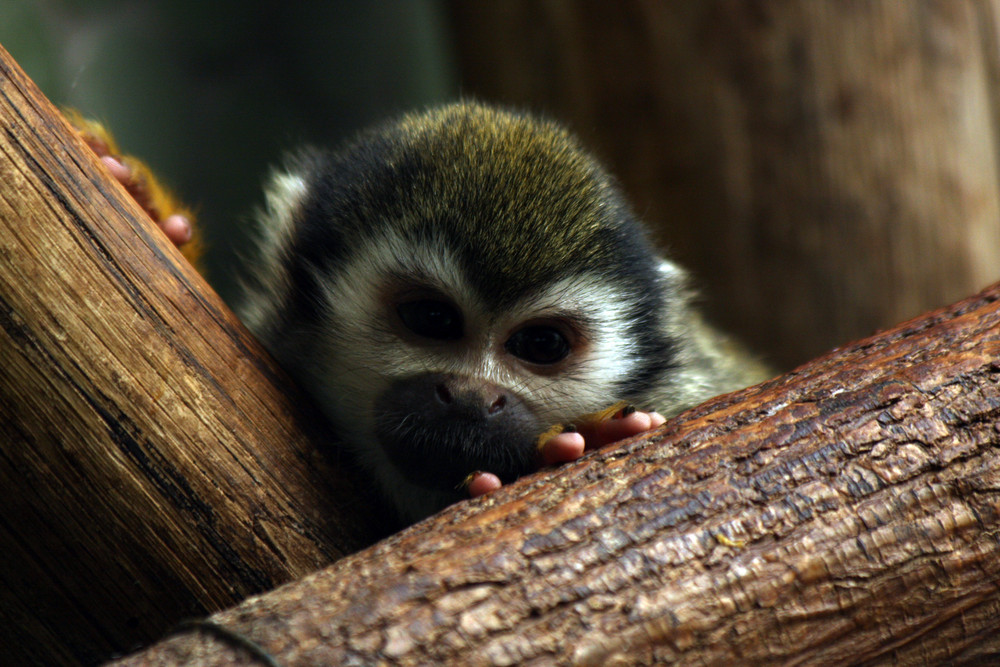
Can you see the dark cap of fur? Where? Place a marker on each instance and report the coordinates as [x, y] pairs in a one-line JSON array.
[[516, 199]]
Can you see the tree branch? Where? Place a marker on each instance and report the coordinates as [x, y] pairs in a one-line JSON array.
[[846, 512], [153, 460]]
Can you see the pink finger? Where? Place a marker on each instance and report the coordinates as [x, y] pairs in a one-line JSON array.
[[612, 430], [483, 483], [177, 229], [562, 448], [117, 168]]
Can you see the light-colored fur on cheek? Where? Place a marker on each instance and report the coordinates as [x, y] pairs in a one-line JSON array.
[[357, 352]]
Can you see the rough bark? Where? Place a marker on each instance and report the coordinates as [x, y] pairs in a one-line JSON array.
[[825, 168], [845, 513], [153, 460]]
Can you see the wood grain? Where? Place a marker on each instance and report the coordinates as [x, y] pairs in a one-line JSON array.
[[155, 464]]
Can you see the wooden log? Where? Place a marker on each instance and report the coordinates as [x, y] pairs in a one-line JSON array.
[[155, 464], [845, 513]]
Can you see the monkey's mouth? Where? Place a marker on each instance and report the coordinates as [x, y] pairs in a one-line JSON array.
[[437, 438], [442, 458]]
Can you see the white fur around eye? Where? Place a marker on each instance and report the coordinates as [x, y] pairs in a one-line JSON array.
[[603, 311], [353, 292], [360, 349]]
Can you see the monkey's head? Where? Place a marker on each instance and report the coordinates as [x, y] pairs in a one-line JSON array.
[[451, 284]]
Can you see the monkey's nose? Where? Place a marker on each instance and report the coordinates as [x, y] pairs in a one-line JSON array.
[[468, 393], [443, 394], [439, 427]]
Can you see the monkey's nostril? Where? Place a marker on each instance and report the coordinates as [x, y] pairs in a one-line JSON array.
[[443, 394], [498, 405]]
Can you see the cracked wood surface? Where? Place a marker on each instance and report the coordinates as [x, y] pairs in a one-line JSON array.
[[845, 513], [153, 460]]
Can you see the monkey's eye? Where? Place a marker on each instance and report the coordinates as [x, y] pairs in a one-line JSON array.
[[431, 318], [538, 344]]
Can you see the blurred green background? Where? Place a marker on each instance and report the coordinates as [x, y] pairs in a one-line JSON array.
[[212, 93]]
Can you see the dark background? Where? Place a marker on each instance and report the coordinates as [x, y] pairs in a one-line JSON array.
[[211, 93], [824, 168]]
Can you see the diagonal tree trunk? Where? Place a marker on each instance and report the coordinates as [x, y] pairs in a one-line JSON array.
[[845, 513], [153, 460]]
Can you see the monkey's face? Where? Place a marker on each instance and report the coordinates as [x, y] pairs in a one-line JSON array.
[[442, 381], [450, 286]]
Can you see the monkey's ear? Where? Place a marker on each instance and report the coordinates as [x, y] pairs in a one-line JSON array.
[[672, 276]]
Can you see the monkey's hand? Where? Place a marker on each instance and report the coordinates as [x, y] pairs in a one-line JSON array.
[[564, 443], [176, 220]]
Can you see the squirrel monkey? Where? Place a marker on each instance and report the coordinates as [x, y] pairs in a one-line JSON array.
[[451, 284]]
